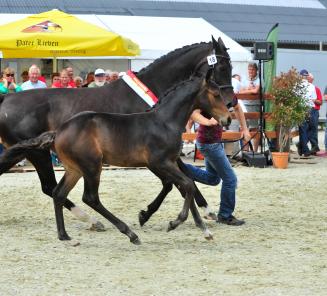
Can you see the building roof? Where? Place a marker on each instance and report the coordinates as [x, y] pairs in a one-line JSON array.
[[298, 24]]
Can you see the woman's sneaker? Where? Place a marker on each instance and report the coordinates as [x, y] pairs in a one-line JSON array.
[[230, 221]]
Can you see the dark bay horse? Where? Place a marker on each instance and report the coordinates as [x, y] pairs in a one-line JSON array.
[[151, 139], [28, 114]]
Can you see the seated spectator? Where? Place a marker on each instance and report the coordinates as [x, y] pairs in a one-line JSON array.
[[78, 81], [89, 78], [114, 76], [33, 79], [55, 78], [64, 81], [99, 78], [108, 75], [70, 73], [24, 76], [8, 84]]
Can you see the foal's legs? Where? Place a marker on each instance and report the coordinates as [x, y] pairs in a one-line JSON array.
[[91, 198], [144, 216], [169, 172], [41, 160], [60, 193]]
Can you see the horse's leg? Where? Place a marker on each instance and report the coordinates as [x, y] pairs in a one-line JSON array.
[[144, 216], [199, 198], [60, 193], [91, 198], [199, 222], [41, 160], [169, 172]]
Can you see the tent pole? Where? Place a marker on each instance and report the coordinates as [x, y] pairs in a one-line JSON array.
[[54, 65]]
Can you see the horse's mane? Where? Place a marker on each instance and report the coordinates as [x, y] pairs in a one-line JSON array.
[[174, 88], [170, 55]]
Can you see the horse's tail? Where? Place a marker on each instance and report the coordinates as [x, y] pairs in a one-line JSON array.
[[17, 152], [200, 200]]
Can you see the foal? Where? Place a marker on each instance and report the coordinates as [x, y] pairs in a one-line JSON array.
[[150, 139]]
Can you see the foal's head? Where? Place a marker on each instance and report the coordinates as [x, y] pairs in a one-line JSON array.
[[210, 99]]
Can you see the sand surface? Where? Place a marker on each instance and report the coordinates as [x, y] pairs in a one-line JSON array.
[[281, 250]]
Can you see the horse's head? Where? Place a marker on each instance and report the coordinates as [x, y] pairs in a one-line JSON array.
[[210, 100], [221, 69]]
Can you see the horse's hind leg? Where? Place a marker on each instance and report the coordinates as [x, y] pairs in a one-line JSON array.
[[41, 160], [144, 216], [91, 198], [60, 193]]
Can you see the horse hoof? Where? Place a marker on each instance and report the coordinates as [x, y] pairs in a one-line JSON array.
[[98, 226], [135, 241], [142, 217], [64, 237], [210, 216]]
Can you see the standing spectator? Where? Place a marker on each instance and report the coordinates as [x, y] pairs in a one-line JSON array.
[[33, 82], [309, 124], [70, 73], [8, 84], [89, 78], [99, 78], [64, 81], [251, 85], [78, 81], [314, 119]]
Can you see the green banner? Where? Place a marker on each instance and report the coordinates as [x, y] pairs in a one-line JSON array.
[[269, 72]]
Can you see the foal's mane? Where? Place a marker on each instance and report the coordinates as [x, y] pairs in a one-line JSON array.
[[174, 88], [171, 55]]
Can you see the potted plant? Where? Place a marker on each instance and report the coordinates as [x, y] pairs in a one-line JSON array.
[[289, 110]]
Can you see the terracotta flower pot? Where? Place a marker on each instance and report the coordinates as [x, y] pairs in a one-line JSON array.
[[280, 159]]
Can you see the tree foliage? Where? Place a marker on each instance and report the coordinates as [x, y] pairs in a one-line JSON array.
[[290, 104]]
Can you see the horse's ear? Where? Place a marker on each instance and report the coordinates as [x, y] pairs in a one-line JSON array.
[[221, 44], [215, 45]]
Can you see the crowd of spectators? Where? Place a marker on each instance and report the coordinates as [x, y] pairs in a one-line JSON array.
[[33, 79]]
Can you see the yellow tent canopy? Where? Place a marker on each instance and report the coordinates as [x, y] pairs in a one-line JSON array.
[[57, 34]]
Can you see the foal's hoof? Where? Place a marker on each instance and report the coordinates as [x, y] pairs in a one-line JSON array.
[[135, 241], [210, 216], [143, 217], [98, 226], [171, 226], [208, 235]]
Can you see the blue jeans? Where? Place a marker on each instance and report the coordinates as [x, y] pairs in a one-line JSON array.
[[308, 131], [217, 168], [313, 128]]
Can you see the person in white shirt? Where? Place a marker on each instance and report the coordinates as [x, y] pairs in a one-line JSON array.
[[33, 81], [311, 96]]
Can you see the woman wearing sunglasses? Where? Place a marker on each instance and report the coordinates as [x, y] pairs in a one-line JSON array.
[[8, 84]]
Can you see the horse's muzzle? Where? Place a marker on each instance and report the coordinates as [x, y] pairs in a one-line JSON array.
[[226, 121]]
